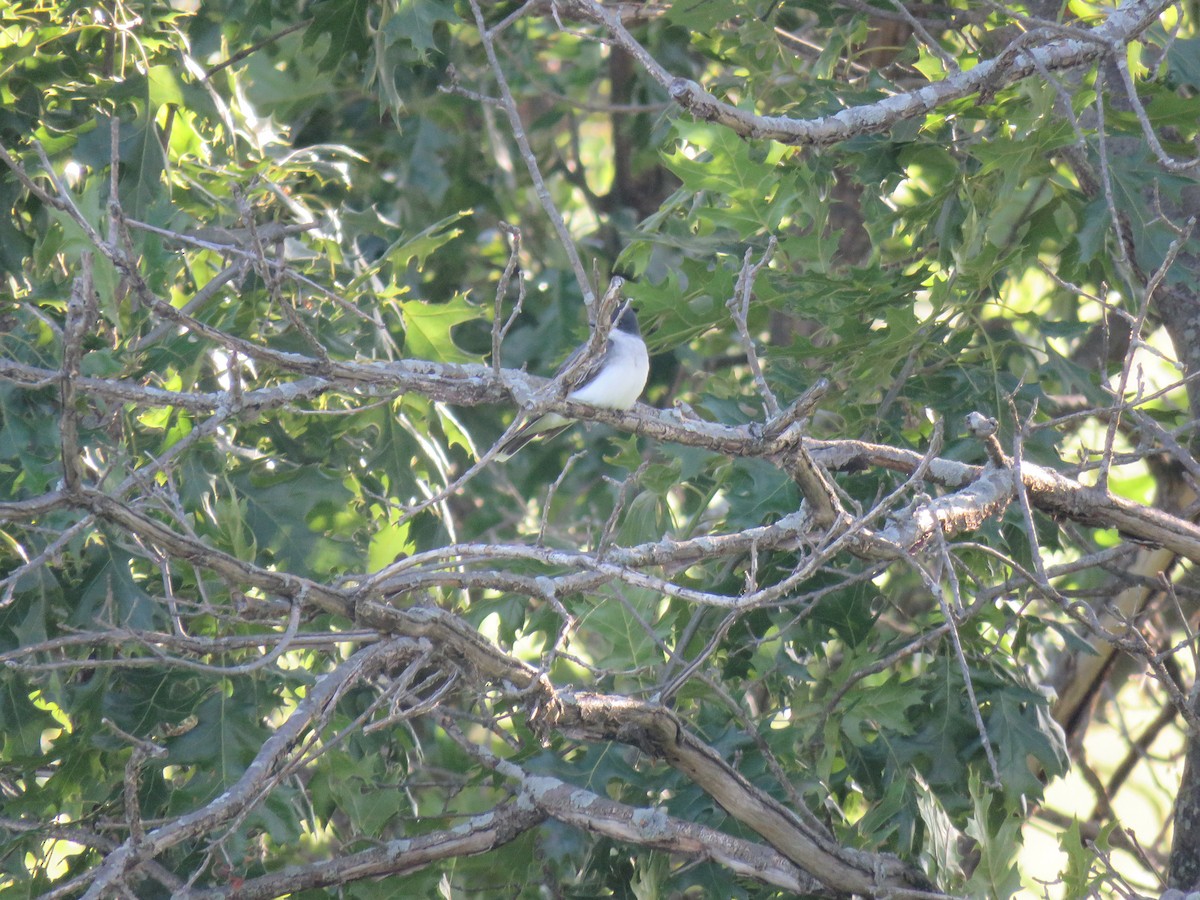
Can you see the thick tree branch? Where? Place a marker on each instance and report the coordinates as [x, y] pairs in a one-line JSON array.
[[658, 732], [1049, 491], [588, 811], [193, 550], [309, 713], [471, 837], [1059, 49]]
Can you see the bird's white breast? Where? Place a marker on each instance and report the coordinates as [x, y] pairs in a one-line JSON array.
[[622, 377]]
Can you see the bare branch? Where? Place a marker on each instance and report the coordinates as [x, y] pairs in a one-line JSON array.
[[475, 835], [658, 732], [517, 127], [81, 314], [500, 326], [739, 308], [121, 862], [588, 811], [1136, 341], [1055, 53]]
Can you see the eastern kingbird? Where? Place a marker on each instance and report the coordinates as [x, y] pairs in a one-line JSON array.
[[614, 381]]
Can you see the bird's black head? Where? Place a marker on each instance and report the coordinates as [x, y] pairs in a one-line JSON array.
[[625, 319]]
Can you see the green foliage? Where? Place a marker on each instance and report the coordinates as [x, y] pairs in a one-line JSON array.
[[997, 834], [1085, 873], [347, 118]]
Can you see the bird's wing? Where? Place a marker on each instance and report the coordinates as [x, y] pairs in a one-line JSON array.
[[589, 371], [549, 425]]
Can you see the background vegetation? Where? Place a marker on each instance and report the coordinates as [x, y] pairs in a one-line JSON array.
[[888, 590]]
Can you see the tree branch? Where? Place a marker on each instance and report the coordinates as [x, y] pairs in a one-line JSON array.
[[477, 834], [309, 712], [657, 731], [1123, 25], [589, 811]]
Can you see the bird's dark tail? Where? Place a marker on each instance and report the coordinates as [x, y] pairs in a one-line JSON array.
[[525, 435]]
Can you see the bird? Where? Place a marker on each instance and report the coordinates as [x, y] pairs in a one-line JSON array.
[[613, 381]]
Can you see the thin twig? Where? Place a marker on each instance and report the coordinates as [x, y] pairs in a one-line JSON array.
[[1167, 161], [141, 750], [254, 48], [501, 326], [517, 127], [610, 526], [1035, 550], [552, 491], [81, 315], [1134, 343], [965, 669], [739, 307], [927, 39]]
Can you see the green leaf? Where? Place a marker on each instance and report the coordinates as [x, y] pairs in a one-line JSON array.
[[645, 519], [22, 722], [143, 162], [996, 875], [1021, 727], [428, 326], [285, 514], [419, 247], [349, 785], [1085, 872], [703, 15], [344, 22], [942, 838], [389, 542], [1183, 61], [225, 738], [879, 708], [414, 21], [622, 638]]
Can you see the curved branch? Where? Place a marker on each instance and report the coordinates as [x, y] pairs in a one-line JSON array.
[[195, 551], [472, 385], [1063, 49], [478, 834], [248, 788], [655, 730], [588, 811]]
